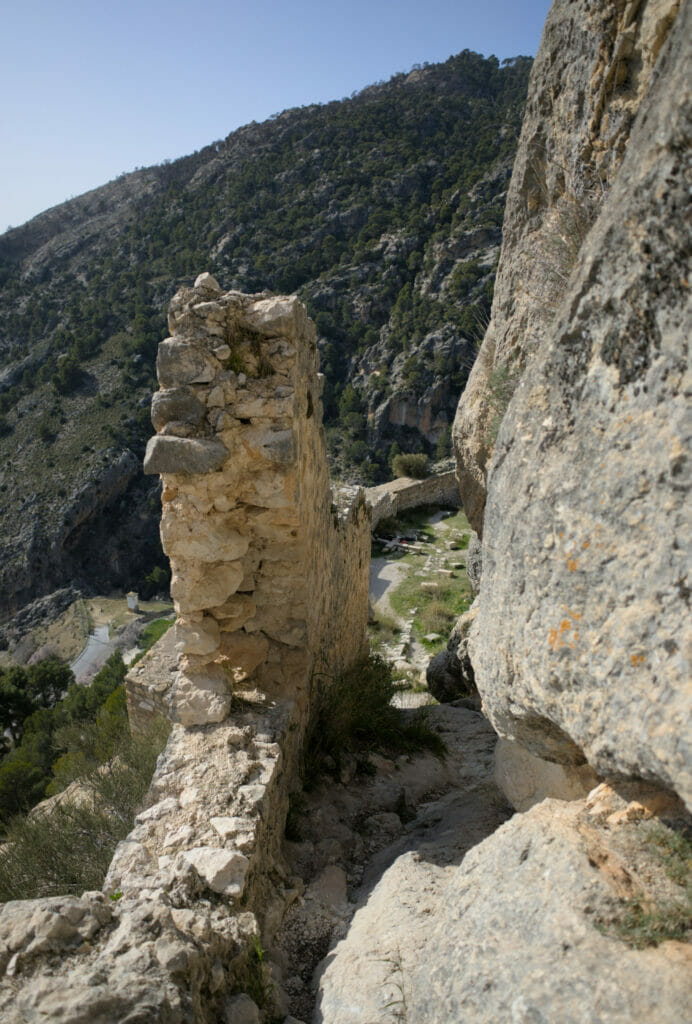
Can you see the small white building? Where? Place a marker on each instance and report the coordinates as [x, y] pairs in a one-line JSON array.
[[133, 601]]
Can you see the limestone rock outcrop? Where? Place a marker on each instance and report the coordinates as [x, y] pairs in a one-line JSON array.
[[522, 930], [582, 646], [591, 73], [521, 926], [544, 958]]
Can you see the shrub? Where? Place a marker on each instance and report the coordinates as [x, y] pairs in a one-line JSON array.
[[641, 924], [354, 713], [156, 582], [68, 847], [410, 464]]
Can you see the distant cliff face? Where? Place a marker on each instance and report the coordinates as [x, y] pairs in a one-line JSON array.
[[382, 211], [581, 647]]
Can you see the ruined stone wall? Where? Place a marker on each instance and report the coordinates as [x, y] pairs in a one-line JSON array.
[[270, 584], [397, 496], [269, 576]]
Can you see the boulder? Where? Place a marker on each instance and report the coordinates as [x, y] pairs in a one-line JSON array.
[[591, 73], [520, 927], [516, 936]]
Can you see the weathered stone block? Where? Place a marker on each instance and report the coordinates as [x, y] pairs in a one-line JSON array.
[[182, 362], [282, 315], [224, 871], [200, 699], [208, 283], [195, 590], [244, 652], [234, 613], [176, 405], [210, 540], [197, 637], [184, 455]]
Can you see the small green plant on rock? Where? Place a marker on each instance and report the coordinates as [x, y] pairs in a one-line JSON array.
[[641, 924], [643, 921], [397, 1006], [258, 985], [502, 383]]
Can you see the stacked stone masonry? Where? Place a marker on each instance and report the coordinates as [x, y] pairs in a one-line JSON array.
[[270, 584], [269, 577], [397, 496]]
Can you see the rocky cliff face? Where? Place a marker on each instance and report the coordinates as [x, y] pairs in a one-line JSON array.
[[594, 68], [581, 643], [573, 451]]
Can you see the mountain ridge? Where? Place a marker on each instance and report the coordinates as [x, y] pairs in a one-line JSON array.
[[381, 211]]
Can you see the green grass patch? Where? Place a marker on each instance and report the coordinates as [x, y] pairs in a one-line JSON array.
[[673, 849], [383, 632], [153, 631], [437, 610]]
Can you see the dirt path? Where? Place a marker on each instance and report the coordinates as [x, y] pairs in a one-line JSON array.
[[385, 574]]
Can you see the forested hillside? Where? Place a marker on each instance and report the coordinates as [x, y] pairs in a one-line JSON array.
[[382, 211]]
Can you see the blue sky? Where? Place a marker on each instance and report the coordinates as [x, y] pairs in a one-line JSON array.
[[91, 89]]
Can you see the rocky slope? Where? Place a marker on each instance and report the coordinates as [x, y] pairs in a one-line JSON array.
[[517, 928], [382, 210]]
